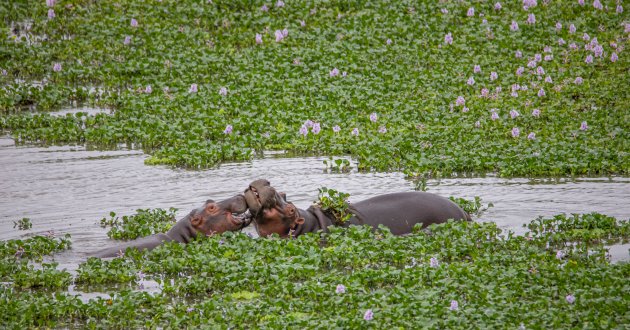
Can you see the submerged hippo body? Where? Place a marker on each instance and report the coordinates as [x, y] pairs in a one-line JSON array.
[[211, 218], [400, 212]]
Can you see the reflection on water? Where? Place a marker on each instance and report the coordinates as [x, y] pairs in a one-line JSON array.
[[69, 189]]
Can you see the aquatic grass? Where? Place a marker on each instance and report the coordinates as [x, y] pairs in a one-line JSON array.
[[143, 223]]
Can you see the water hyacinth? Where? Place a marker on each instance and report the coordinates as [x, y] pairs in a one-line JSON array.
[[280, 4], [485, 92], [382, 130], [559, 255], [619, 9], [448, 39], [471, 12], [514, 26], [279, 36], [334, 72], [578, 81], [454, 305], [355, 132], [302, 23], [316, 128], [561, 41], [540, 71], [303, 130], [493, 76], [497, 6], [373, 117], [56, 67], [477, 124], [531, 19], [465, 109], [572, 28], [548, 80], [583, 126], [134, 22], [388, 41], [228, 129], [460, 100], [531, 136], [50, 3], [193, 88], [340, 289], [368, 315], [190, 309], [597, 5], [433, 262], [259, 38], [51, 13], [541, 92], [264, 8], [494, 115], [148, 89], [336, 129], [589, 59], [614, 57], [558, 26], [309, 123], [520, 71], [514, 114], [471, 81], [518, 54], [570, 298], [516, 132], [127, 40], [223, 91], [444, 11], [477, 69]]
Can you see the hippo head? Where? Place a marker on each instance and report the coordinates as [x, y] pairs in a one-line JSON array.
[[218, 217], [270, 210]]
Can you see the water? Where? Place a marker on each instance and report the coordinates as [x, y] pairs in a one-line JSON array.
[[69, 189]]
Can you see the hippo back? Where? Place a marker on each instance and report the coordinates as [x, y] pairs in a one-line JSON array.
[[401, 211]]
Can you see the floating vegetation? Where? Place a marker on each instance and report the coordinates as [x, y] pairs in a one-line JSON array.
[[143, 223]]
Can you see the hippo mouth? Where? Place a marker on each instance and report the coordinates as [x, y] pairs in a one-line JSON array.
[[241, 220]]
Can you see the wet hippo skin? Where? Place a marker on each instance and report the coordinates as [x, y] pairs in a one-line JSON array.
[[400, 212], [209, 219]]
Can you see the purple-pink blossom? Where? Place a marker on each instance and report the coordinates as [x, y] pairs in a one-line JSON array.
[[572, 28], [471, 12], [355, 132], [548, 80], [531, 19], [548, 58], [57, 67], [336, 129], [485, 92], [50, 3], [497, 6], [559, 255], [448, 39], [454, 305], [465, 109], [193, 88], [598, 5], [127, 40], [316, 128], [340, 288], [516, 132], [583, 126], [309, 123], [388, 41], [460, 100], [51, 13], [304, 130], [514, 113], [514, 26], [264, 8], [536, 113], [382, 129], [540, 71], [614, 57], [477, 124], [280, 4], [373, 117], [334, 72], [520, 70], [368, 316], [494, 115], [570, 298], [518, 54], [302, 23], [148, 89], [259, 38], [471, 81], [493, 76], [578, 81], [228, 129], [278, 35], [589, 59], [433, 262], [134, 22], [531, 136], [558, 26], [541, 92], [477, 69], [619, 9], [561, 41], [581, 2], [223, 91]]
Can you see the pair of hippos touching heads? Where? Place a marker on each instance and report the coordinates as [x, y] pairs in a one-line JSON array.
[[271, 213]]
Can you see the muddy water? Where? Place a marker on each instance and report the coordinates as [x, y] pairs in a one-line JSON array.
[[69, 189]]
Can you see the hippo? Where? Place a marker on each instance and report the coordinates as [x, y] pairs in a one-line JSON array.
[[400, 212], [211, 218]]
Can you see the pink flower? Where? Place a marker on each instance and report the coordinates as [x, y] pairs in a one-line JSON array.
[[598, 50], [223, 91], [597, 5], [572, 28], [193, 88], [520, 70], [477, 69], [454, 305], [541, 92], [280, 4], [581, 2], [388, 41], [134, 22], [614, 57], [148, 89], [540, 70], [368, 316], [471, 12], [497, 6], [558, 26], [444, 11], [548, 80], [573, 46], [57, 67], [518, 54], [316, 128], [309, 123], [264, 8], [561, 41], [334, 72], [127, 40], [548, 58], [340, 288], [50, 3], [433, 262], [465, 109], [51, 13], [589, 59], [531, 19], [477, 124], [531, 64], [460, 100], [586, 37], [382, 130], [583, 126], [516, 132], [285, 33], [530, 3], [626, 27], [302, 23], [448, 39], [485, 92], [304, 130], [559, 255], [471, 81], [344, 74], [228, 129], [537, 57], [336, 129], [570, 298], [514, 113], [578, 81], [259, 38], [493, 76], [531, 136], [619, 9], [514, 26], [373, 117], [494, 115], [355, 132], [279, 35]]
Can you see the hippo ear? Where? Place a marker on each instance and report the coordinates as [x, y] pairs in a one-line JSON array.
[[209, 201], [299, 221], [283, 195]]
